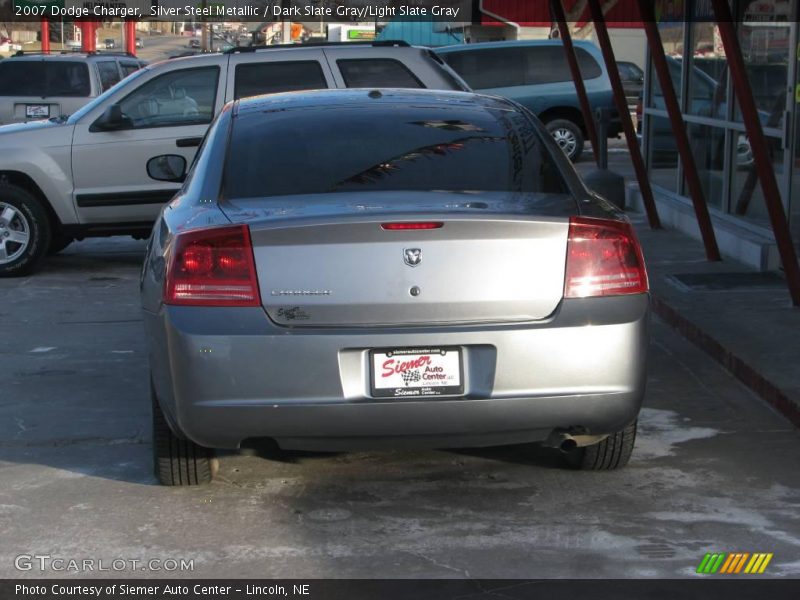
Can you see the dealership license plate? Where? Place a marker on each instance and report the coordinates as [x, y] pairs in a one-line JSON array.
[[37, 111], [401, 373]]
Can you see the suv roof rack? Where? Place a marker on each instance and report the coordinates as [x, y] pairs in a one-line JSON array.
[[71, 53], [104, 53], [374, 43]]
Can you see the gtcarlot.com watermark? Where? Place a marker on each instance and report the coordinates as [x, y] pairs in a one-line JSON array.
[[46, 562]]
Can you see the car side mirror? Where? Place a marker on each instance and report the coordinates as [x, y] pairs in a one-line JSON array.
[[167, 167], [112, 119]]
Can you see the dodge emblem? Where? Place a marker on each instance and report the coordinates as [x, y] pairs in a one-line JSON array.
[[412, 256]]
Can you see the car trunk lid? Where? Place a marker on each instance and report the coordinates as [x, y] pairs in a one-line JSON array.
[[330, 260]]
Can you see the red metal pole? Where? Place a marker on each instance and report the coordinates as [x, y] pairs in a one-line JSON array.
[[679, 129], [45, 36], [130, 37], [580, 88], [91, 29], [758, 145], [624, 114], [87, 35]]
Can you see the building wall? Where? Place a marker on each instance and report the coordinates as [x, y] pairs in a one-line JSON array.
[[629, 45], [720, 147], [534, 33]]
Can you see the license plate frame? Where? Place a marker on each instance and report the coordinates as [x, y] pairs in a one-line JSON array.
[[440, 356], [37, 111]]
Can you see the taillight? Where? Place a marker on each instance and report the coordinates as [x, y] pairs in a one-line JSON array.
[[212, 267], [603, 259], [412, 226]]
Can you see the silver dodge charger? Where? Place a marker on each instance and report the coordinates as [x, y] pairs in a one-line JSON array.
[[356, 269]]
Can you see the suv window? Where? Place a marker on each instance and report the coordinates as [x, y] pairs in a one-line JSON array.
[[184, 97], [255, 79], [109, 73], [508, 67], [377, 72], [128, 67], [382, 148], [44, 78]]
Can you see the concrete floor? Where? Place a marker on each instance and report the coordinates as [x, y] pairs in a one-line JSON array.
[[714, 469]]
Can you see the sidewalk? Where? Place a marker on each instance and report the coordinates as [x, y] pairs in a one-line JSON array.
[[743, 319], [740, 317]]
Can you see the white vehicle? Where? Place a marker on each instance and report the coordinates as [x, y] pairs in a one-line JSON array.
[[86, 175], [43, 86]]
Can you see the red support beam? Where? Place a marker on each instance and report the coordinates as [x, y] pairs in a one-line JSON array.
[[88, 35], [130, 37], [679, 129], [45, 36], [85, 28], [759, 147], [569, 49], [84, 37], [624, 113]]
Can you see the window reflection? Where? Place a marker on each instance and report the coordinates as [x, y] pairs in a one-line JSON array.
[[708, 81], [708, 149], [747, 197], [765, 37], [662, 154]]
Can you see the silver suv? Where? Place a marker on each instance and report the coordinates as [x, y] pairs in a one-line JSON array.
[[86, 175], [43, 86]]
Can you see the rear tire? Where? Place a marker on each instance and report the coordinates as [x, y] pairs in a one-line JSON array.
[[614, 452], [568, 136], [24, 231], [177, 461]]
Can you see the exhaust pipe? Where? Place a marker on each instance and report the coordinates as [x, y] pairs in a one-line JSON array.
[[561, 440], [566, 442]]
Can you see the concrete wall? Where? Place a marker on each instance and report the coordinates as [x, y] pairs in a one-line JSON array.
[[534, 33], [21, 37], [629, 45]]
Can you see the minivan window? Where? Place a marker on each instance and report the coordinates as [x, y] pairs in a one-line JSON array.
[[254, 79], [377, 72], [519, 65], [384, 148], [109, 73], [44, 78], [183, 97]]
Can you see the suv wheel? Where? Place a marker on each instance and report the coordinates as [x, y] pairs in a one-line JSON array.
[[568, 136], [177, 461], [24, 231], [614, 452]]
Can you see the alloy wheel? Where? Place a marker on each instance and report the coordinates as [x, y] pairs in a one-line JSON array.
[[14, 233], [565, 139]]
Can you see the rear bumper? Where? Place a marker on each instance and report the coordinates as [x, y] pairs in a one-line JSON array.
[[226, 375]]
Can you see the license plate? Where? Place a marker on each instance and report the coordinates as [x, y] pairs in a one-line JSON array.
[[37, 111], [402, 373]]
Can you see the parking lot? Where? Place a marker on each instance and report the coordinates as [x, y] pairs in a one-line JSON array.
[[714, 469]]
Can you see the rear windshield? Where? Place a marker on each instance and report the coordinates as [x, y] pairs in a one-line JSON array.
[[507, 67], [44, 78], [387, 148]]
